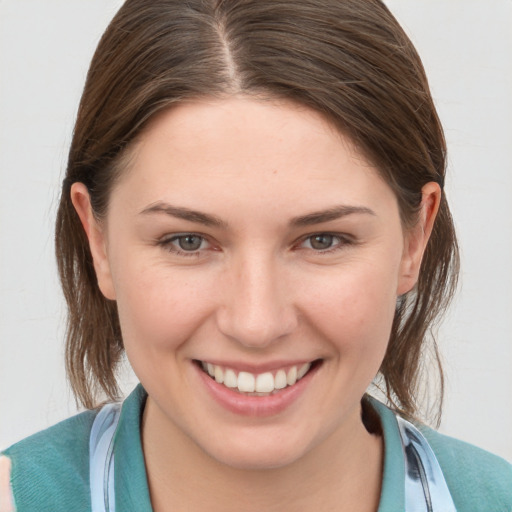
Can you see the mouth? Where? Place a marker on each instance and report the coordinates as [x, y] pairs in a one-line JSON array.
[[258, 384]]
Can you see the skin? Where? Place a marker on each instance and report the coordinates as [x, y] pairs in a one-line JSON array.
[[256, 292]]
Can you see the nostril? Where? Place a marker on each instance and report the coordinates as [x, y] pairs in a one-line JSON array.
[[257, 315]]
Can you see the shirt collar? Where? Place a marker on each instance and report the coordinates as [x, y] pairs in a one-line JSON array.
[[131, 482]]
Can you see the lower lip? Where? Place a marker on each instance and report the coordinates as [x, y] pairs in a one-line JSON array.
[[261, 406]]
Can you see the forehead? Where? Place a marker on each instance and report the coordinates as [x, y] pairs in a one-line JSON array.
[[260, 125], [268, 153]]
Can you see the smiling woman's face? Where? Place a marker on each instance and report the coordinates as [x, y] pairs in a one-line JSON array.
[[251, 240]]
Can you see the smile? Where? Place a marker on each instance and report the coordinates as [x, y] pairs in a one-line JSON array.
[[262, 384]]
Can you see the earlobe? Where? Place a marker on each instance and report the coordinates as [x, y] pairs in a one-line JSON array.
[[96, 236], [417, 237]]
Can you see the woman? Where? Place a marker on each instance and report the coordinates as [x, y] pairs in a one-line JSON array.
[[254, 211]]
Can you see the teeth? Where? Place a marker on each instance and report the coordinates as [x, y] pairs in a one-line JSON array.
[[303, 370], [246, 382], [256, 385], [230, 379], [291, 377], [265, 383], [219, 374], [280, 380]]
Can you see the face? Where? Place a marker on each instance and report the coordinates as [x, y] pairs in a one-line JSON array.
[[256, 259]]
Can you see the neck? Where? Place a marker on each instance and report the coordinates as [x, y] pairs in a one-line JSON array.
[[344, 472]]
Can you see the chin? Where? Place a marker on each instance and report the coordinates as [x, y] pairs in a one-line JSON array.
[[269, 451], [256, 460]]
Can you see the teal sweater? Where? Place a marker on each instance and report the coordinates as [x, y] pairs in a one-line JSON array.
[[50, 470]]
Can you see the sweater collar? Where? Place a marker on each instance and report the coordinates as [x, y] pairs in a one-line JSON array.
[[131, 483]]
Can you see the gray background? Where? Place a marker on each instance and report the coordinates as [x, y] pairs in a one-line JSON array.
[[466, 45]]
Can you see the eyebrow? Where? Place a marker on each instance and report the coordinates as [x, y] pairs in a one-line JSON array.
[[330, 214], [206, 219], [185, 214]]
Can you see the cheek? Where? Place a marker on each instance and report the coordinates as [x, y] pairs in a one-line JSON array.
[[355, 309], [160, 308]]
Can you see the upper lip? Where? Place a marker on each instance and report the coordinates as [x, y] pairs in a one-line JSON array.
[[257, 368]]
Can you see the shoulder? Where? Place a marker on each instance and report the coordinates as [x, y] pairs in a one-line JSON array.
[[478, 480], [50, 469]]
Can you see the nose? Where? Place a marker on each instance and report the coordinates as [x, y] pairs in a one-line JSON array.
[[257, 307]]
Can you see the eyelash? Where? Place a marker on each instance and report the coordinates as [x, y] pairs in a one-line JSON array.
[[169, 243], [342, 242]]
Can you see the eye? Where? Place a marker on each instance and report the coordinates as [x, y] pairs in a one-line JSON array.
[[325, 242], [185, 244], [189, 242], [321, 242]]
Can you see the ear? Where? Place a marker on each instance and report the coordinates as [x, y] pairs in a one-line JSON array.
[[96, 236], [416, 238]]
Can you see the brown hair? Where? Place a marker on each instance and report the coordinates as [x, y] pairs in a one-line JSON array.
[[347, 59]]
